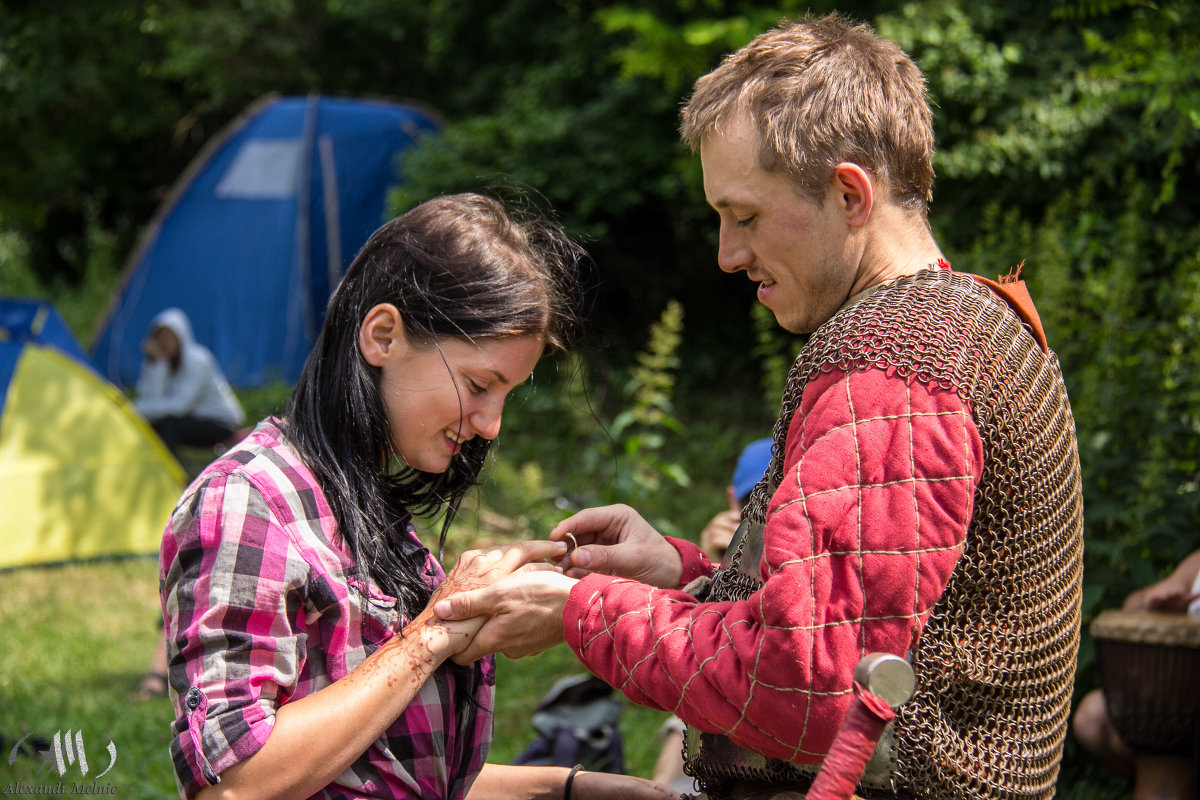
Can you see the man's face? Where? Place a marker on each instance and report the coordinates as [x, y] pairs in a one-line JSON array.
[[795, 249]]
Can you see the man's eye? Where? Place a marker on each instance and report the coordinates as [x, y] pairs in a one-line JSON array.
[[745, 221]]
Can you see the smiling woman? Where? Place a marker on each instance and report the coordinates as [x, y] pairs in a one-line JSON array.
[[304, 659]]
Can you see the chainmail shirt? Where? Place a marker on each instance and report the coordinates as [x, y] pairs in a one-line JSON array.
[[996, 658]]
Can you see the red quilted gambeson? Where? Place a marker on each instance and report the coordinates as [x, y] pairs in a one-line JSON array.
[[861, 538]]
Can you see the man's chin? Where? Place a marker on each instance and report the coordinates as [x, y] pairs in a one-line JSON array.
[[793, 325]]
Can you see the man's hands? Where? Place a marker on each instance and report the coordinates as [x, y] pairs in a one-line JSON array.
[[477, 571], [615, 540], [524, 614]]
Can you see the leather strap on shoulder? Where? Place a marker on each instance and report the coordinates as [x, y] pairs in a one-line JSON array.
[[1012, 290]]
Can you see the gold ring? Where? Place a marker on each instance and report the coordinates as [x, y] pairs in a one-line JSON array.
[[574, 544]]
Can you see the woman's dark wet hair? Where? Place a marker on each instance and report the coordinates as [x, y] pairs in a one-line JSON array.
[[459, 266]]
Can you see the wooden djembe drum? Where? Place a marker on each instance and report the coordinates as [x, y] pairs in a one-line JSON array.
[[1149, 665]]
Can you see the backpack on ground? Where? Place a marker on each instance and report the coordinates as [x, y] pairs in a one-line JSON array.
[[576, 723]]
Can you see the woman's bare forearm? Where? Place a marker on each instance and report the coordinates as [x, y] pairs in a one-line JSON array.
[[316, 738]]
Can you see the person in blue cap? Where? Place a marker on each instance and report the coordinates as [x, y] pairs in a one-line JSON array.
[[751, 465]]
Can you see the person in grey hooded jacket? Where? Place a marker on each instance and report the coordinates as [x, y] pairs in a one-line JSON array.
[[181, 390]]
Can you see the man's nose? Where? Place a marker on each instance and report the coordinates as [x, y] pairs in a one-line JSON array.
[[733, 254]]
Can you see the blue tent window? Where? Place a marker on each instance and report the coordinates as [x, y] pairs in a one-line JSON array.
[[264, 169]]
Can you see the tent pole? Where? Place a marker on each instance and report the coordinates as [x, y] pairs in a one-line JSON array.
[[303, 220], [333, 222]]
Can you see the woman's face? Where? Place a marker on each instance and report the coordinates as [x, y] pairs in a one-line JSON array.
[[167, 342], [437, 396]]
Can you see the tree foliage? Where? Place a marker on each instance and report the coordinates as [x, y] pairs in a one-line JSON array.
[[103, 102]]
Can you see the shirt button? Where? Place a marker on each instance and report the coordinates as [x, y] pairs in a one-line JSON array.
[[193, 698]]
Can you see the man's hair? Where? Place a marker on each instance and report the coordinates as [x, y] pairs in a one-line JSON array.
[[820, 92], [460, 266]]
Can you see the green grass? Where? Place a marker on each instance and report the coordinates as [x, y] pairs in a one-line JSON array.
[[77, 639]]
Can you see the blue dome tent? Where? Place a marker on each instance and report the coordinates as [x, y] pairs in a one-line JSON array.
[[258, 230]]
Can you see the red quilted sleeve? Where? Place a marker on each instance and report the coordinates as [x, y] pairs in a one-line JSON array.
[[861, 538]]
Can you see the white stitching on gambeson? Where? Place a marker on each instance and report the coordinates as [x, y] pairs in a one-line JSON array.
[[912, 470], [889, 418], [872, 551], [886, 484], [859, 488]]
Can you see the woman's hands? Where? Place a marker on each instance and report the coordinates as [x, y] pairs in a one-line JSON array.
[[335, 725], [477, 569]]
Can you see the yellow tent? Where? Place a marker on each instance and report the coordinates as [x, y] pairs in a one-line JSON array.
[[81, 474]]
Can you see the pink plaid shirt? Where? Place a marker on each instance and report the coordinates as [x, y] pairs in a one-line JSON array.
[[262, 607]]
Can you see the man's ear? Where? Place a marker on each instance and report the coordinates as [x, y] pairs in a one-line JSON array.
[[381, 334], [855, 188]]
